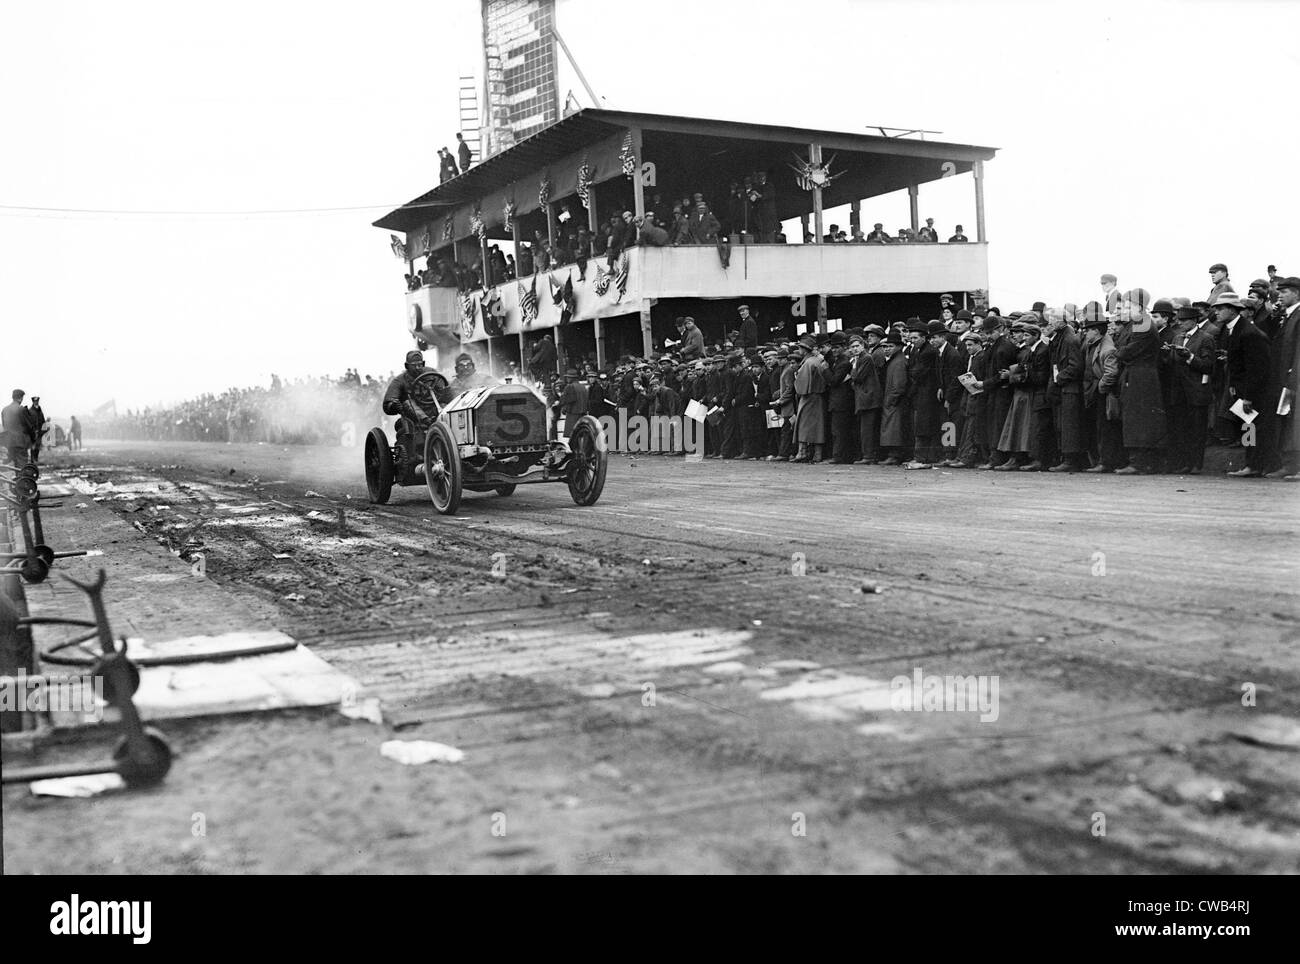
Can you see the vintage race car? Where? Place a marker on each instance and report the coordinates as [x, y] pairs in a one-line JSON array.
[[483, 440]]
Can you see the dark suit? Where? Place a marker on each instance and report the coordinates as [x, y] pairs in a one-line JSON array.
[[840, 402], [1286, 376], [1002, 355], [1066, 393], [1248, 378], [1042, 431], [949, 363], [1190, 395], [749, 414], [749, 333], [927, 412], [868, 396]]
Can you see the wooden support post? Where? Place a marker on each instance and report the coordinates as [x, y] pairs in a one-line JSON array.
[[803, 220], [483, 256], [913, 202], [855, 216], [514, 241], [821, 314], [491, 368], [978, 171], [638, 189], [561, 362], [815, 157], [647, 337], [523, 357], [600, 343]]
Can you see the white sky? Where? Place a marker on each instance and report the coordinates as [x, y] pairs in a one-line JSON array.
[[1145, 138]]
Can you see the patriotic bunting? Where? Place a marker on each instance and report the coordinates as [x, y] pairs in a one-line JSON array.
[[528, 302], [627, 156]]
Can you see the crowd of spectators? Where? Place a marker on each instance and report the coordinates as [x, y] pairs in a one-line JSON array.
[[1125, 384], [309, 410]]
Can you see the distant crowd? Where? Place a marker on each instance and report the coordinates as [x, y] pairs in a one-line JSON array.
[[310, 410]]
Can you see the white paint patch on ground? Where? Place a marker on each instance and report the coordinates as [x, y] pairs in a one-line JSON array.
[[831, 696]]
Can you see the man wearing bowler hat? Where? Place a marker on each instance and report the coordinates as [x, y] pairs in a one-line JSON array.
[[1248, 383], [1190, 364]]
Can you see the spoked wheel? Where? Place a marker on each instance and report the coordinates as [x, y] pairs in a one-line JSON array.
[[507, 488], [379, 467], [442, 469], [588, 462]]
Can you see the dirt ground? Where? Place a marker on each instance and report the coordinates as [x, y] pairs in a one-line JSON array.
[[693, 676]]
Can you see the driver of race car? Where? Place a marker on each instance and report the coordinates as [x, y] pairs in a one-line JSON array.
[[400, 401], [467, 377]]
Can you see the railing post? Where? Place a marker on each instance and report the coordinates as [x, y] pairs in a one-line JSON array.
[[978, 170]]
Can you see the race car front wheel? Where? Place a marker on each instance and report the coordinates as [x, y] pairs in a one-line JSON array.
[[442, 469]]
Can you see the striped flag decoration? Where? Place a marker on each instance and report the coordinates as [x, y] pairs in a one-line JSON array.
[[627, 156], [602, 280], [570, 302], [469, 315], [620, 276], [584, 183], [528, 302]]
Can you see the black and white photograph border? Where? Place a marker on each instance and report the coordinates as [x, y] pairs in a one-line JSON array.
[[450, 439]]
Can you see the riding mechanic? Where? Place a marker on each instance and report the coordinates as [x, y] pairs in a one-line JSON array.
[[400, 399]]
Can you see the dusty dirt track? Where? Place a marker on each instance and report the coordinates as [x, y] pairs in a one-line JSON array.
[[1120, 693]]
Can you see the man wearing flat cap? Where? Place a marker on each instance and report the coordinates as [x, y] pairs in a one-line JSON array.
[[748, 337], [787, 401], [868, 393], [810, 417], [840, 400], [1002, 353], [928, 413], [13, 429], [692, 341], [1065, 392], [769, 393], [1038, 377], [895, 411], [949, 363], [1261, 309], [1286, 374], [1221, 284]]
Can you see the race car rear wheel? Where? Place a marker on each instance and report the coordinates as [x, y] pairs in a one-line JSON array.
[[442, 469], [379, 467], [505, 489], [588, 461]]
